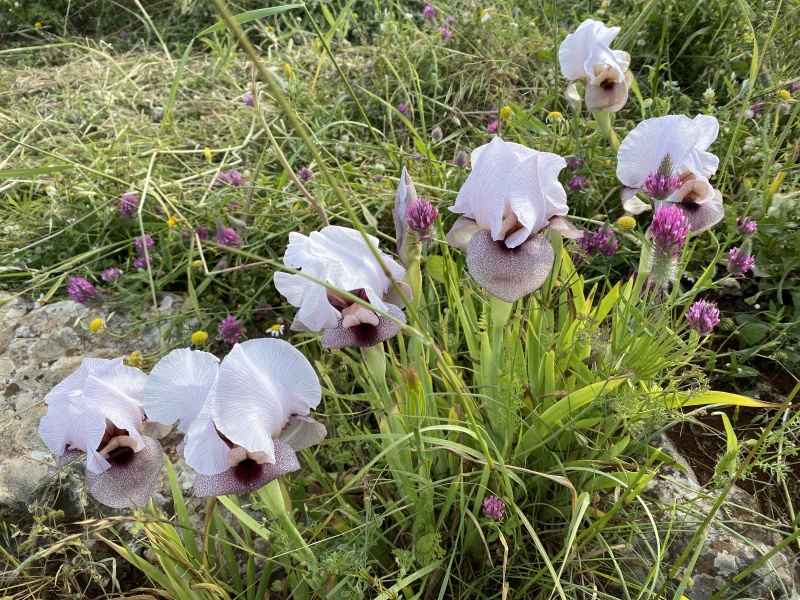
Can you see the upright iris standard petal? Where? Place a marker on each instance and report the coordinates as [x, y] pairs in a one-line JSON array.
[[260, 387], [341, 258], [512, 194], [74, 422], [188, 374]]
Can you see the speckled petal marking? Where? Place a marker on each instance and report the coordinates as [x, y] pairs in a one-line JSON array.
[[509, 273], [129, 484], [247, 476], [702, 216], [365, 334]]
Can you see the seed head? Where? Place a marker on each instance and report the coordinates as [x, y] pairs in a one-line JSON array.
[[199, 337], [626, 223]]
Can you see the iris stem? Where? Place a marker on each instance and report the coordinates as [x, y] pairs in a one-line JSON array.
[[603, 119], [272, 496], [375, 360]]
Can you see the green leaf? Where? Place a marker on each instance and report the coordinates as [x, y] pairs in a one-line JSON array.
[[434, 266], [32, 172]]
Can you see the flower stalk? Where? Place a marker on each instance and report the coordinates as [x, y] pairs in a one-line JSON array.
[[272, 496]]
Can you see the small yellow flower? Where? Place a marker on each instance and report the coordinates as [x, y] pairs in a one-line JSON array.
[[172, 221], [625, 223], [207, 154], [604, 5], [96, 325], [276, 330], [270, 29], [608, 162], [555, 116], [136, 359], [784, 95], [41, 300], [37, 25], [355, 16], [197, 265], [287, 68], [505, 112], [199, 337]]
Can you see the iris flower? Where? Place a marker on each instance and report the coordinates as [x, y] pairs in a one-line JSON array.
[[341, 257], [585, 56], [98, 411], [512, 194], [668, 159], [243, 419]]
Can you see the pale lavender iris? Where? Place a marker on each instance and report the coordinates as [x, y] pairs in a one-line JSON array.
[[245, 419], [511, 196]]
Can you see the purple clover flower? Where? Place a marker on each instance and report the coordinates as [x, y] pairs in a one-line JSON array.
[[421, 216], [660, 186], [669, 230], [417, 156], [141, 262], [403, 109], [81, 291], [494, 508], [577, 183], [428, 13], [232, 206], [794, 86], [378, 177], [201, 232], [461, 159], [746, 226], [228, 237], [111, 275], [248, 99], [233, 178], [128, 205], [436, 133], [703, 317], [603, 241], [305, 174], [740, 262], [573, 163], [445, 32], [140, 243], [230, 330], [449, 20], [493, 126]]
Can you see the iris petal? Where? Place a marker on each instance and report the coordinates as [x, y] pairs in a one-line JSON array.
[[130, 483], [365, 335]]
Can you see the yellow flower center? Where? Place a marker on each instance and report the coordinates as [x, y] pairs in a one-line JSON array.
[[172, 221], [96, 325], [555, 116]]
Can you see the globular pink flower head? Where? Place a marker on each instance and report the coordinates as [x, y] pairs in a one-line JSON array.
[[660, 186], [573, 163], [305, 174], [378, 177], [228, 237], [740, 262], [421, 216], [403, 109], [248, 99], [461, 159], [81, 291], [746, 226], [429, 13], [111, 275], [577, 183], [494, 508], [140, 262], [128, 205], [602, 241], [452, 20], [436, 133], [669, 230], [141, 242], [493, 126], [230, 330], [445, 32], [201, 232], [703, 317]]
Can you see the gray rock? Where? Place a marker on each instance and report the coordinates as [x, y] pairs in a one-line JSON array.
[[737, 538]]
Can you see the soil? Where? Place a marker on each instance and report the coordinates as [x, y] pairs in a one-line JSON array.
[[702, 444]]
